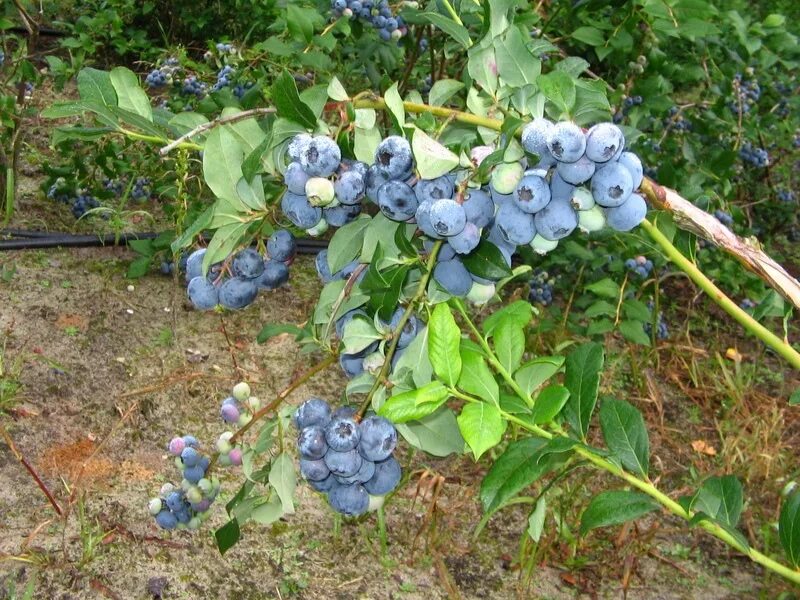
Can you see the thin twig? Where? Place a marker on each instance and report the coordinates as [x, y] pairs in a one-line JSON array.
[[18, 455], [254, 112]]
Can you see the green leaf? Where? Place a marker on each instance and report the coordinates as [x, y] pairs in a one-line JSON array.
[[626, 434], [336, 90], [794, 399], [458, 32], [436, 434], [384, 288], [96, 86], [509, 344], [138, 267], [414, 404], [225, 239], [549, 403], [558, 88], [789, 528], [582, 379], [524, 462], [606, 287], [443, 90], [518, 312], [227, 536], [358, 334], [721, 498], [300, 26], [267, 512], [346, 243], [534, 373], [487, 261], [198, 225], [476, 378], [536, 519], [415, 358], [615, 507], [129, 95], [444, 339], [282, 477], [589, 35], [287, 102], [516, 65], [482, 67], [395, 105], [482, 426], [433, 159], [633, 331], [222, 163]]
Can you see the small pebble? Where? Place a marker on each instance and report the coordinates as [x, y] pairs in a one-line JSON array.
[[131, 288]]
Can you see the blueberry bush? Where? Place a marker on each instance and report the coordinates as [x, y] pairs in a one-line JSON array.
[[486, 176]]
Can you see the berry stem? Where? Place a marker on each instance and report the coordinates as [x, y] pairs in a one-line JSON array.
[[412, 304], [272, 406], [241, 116], [780, 346], [642, 485]]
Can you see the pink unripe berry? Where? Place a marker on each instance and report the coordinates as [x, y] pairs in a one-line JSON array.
[[176, 446], [236, 456]]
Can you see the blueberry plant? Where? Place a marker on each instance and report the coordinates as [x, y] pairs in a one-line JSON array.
[[426, 204]]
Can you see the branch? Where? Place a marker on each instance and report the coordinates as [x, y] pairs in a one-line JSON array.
[[749, 253], [24, 462], [215, 123]]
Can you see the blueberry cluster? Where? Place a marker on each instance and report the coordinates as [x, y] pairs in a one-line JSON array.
[[640, 265], [757, 157], [347, 460], [224, 48], [223, 78], [186, 506], [140, 191], [249, 273], [583, 180], [79, 204], [192, 86], [676, 121], [724, 218], [627, 105], [168, 267], [163, 75], [541, 288], [662, 332], [238, 408], [28, 90], [746, 94], [377, 13], [240, 89], [747, 304], [786, 196], [321, 188]]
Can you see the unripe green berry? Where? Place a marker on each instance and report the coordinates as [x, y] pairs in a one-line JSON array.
[[318, 229], [582, 199], [479, 294], [319, 191], [194, 494], [591, 220], [154, 506], [194, 523], [253, 403], [541, 245], [506, 176], [241, 391], [374, 362], [205, 486], [244, 419]]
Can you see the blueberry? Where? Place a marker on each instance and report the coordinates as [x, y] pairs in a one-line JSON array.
[[373, 180], [299, 210], [515, 225], [577, 172], [311, 443], [274, 276], [479, 208], [314, 470], [447, 217], [350, 500], [446, 251], [313, 411], [378, 438], [434, 189], [352, 364], [566, 142], [320, 157], [248, 264], [556, 221], [281, 245], [193, 474], [202, 293], [236, 292], [324, 485], [338, 216], [534, 139], [627, 215], [397, 201], [295, 178], [190, 457], [466, 241], [387, 476], [603, 142], [612, 185], [174, 501], [343, 464], [298, 145], [631, 162], [166, 520], [453, 276], [531, 194], [364, 474], [393, 157], [344, 412], [409, 331], [194, 264], [229, 413], [342, 434], [323, 270], [423, 219], [350, 187]]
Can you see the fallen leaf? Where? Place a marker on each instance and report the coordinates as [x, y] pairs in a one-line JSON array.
[[701, 447]]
